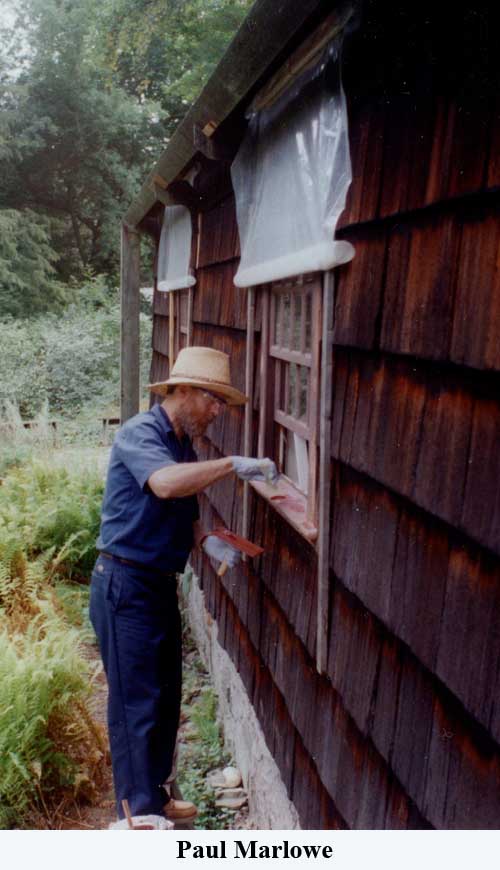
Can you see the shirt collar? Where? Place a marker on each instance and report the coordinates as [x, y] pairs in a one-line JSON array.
[[161, 415]]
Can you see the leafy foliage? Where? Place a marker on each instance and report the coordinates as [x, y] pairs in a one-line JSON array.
[[50, 748], [81, 146], [46, 509], [165, 51], [89, 94], [69, 361], [27, 273]]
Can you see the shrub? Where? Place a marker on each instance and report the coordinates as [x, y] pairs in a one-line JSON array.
[[68, 362]]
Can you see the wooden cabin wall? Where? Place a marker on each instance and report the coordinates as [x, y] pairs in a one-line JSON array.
[[403, 729]]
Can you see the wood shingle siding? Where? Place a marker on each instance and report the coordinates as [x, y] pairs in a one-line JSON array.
[[420, 430], [402, 730], [426, 285]]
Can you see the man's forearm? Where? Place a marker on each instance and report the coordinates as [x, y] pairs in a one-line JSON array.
[[188, 478]]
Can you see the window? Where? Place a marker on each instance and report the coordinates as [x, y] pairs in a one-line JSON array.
[[289, 385], [290, 179]]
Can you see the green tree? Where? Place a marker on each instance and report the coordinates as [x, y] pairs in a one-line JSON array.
[[165, 50], [90, 91], [27, 273], [80, 144]]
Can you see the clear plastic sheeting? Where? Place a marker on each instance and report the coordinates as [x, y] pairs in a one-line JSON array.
[[174, 253], [291, 177]]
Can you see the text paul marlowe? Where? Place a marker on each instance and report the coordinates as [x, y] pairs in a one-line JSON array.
[[251, 849]]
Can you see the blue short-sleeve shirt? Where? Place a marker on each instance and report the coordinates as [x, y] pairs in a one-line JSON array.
[[135, 523]]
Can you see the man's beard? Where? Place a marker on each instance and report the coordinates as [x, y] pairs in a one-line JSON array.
[[191, 426]]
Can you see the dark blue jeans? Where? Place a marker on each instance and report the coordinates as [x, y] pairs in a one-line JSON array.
[[136, 619]]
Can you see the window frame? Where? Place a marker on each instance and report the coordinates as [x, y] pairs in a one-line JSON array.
[[298, 507]]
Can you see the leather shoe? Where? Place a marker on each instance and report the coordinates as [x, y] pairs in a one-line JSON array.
[[178, 811]]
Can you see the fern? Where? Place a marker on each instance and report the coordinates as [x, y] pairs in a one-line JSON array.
[[50, 749]]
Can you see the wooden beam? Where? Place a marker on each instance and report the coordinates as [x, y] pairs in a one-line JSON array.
[[305, 56], [325, 463], [163, 196], [189, 332], [313, 397], [159, 181], [130, 338], [264, 370], [211, 149], [171, 331], [247, 436]]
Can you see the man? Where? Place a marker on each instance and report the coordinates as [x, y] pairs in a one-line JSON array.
[[150, 522]]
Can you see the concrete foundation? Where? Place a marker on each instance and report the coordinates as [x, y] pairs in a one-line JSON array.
[[269, 805]]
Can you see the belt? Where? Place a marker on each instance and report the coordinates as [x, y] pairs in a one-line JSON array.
[[139, 565]]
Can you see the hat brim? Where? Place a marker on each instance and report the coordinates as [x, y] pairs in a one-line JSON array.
[[230, 394]]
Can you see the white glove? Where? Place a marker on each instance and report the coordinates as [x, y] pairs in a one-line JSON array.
[[255, 469], [217, 549]]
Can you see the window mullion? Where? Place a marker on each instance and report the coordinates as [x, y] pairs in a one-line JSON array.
[[313, 404]]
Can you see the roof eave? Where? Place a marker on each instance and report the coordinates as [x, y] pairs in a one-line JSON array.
[[266, 30]]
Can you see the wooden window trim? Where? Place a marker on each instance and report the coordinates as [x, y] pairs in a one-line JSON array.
[[290, 503], [298, 508]]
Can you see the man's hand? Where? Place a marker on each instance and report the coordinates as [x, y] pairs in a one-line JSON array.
[[255, 469], [217, 549]]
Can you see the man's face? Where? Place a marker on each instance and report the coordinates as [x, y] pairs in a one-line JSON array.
[[197, 411]]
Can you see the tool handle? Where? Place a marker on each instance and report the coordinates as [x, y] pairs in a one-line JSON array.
[[222, 568]]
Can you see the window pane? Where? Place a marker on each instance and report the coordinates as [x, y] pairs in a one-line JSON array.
[[275, 302], [285, 335], [296, 461], [296, 309], [281, 385], [304, 390], [308, 321], [292, 393]]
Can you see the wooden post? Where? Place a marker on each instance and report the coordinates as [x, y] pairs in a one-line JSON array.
[[324, 471], [171, 331], [189, 335], [130, 356], [247, 438], [264, 368], [316, 338]]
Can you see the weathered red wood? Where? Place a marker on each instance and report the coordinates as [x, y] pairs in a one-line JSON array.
[[216, 300], [359, 286], [440, 597], [418, 299], [408, 138], [367, 121], [219, 234], [160, 335], [397, 424], [493, 178], [475, 336], [159, 367]]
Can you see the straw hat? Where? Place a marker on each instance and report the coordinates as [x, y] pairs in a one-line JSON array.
[[205, 368]]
